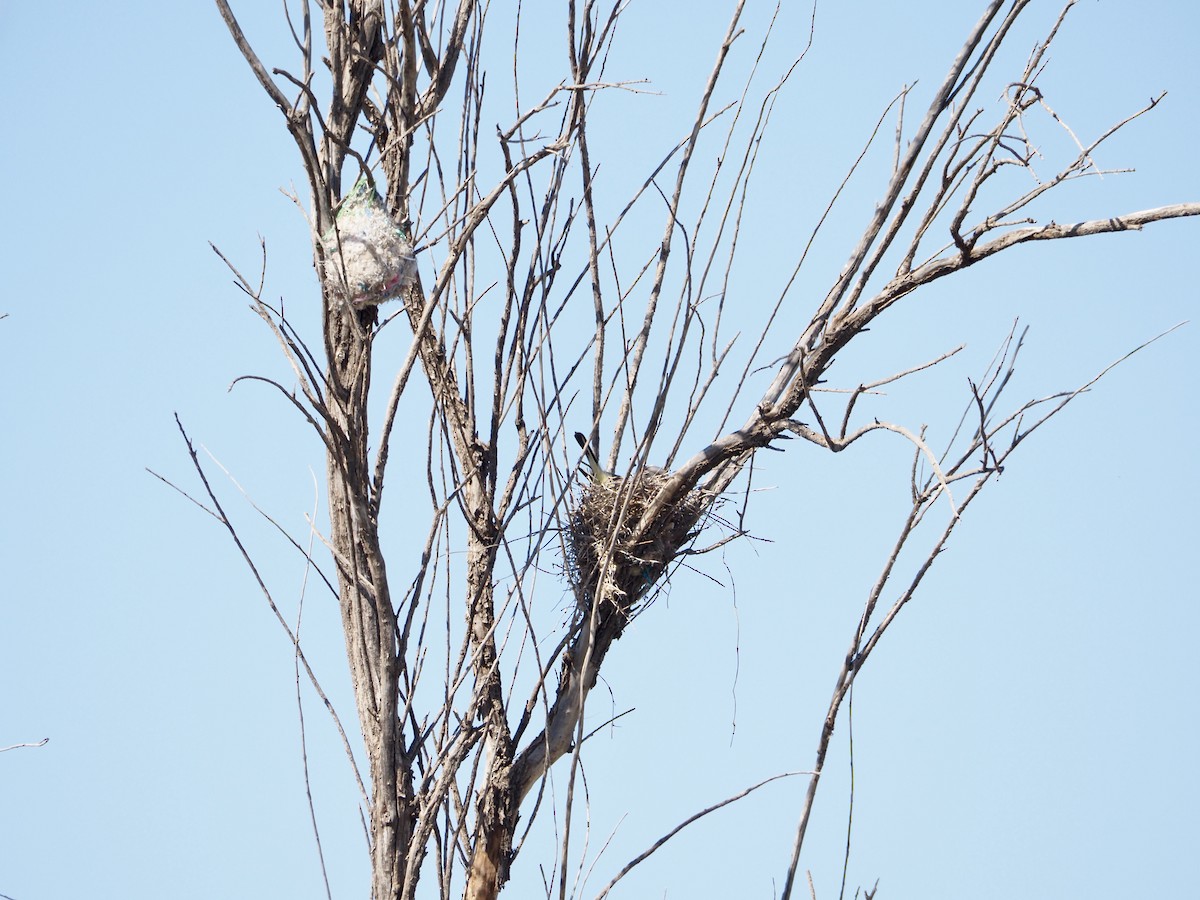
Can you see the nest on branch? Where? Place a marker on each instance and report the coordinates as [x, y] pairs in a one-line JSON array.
[[607, 562], [368, 258]]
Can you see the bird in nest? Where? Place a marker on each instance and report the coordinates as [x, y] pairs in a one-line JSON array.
[[591, 459]]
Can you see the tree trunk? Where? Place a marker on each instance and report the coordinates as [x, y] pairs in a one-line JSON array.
[[368, 618]]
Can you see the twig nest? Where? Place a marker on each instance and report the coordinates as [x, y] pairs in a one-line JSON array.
[[605, 558], [368, 258]]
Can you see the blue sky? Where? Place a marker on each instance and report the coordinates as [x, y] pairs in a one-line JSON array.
[[1027, 730]]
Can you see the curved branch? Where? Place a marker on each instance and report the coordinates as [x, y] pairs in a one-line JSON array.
[[256, 66], [685, 823], [939, 268]]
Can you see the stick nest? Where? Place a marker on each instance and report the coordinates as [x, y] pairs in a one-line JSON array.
[[605, 558]]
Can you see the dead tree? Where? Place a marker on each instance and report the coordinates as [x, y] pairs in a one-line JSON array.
[[523, 323]]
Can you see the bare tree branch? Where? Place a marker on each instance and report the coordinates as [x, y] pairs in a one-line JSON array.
[[472, 679]]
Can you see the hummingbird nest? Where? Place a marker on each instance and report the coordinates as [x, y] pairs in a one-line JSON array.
[[605, 558]]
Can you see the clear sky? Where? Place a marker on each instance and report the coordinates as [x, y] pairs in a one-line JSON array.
[[1028, 730]]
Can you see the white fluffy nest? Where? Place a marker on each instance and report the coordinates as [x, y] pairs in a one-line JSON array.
[[368, 260]]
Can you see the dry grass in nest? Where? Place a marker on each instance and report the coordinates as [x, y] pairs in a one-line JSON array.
[[601, 527]]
